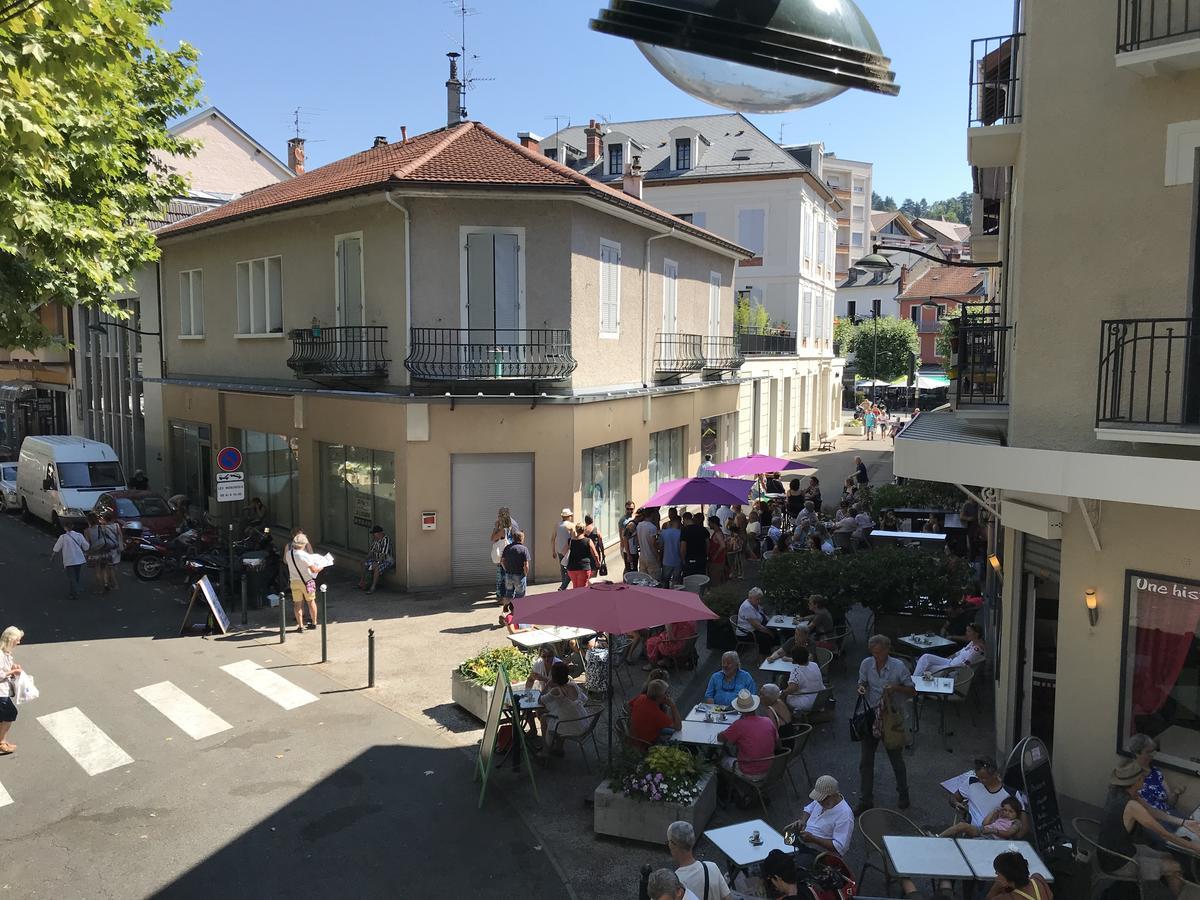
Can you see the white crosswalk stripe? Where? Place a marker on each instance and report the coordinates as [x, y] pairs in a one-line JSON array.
[[274, 687], [94, 750], [5, 796], [193, 717]]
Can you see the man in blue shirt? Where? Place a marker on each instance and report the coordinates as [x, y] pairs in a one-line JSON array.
[[724, 686], [672, 562]]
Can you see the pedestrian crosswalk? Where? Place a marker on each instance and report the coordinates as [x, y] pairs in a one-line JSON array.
[[96, 752]]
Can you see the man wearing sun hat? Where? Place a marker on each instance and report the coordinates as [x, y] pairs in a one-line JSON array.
[[827, 823], [753, 737]]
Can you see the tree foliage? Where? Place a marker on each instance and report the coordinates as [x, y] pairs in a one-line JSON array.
[[954, 209], [883, 204], [85, 95], [882, 354], [750, 316]]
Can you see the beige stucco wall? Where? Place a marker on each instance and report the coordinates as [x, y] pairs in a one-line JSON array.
[[1097, 233], [226, 163]]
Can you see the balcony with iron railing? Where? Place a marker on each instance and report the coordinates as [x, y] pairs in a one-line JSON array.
[[994, 104], [722, 353], [980, 348], [354, 353], [1156, 37], [678, 354], [490, 354], [766, 342], [1148, 386]]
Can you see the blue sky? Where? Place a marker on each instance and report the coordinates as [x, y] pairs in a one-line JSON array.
[[358, 68]]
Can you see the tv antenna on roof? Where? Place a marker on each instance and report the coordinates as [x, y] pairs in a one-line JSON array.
[[557, 128], [467, 77]]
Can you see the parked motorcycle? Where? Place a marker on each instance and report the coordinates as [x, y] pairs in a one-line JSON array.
[[152, 557]]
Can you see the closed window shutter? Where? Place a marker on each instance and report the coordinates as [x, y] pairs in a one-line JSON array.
[[610, 302], [808, 311]]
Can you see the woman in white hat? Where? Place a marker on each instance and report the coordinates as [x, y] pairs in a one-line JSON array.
[[302, 572]]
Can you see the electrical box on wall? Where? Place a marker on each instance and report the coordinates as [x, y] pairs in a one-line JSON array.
[[1044, 523], [429, 521]]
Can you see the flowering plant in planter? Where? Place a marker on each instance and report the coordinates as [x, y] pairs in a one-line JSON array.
[[484, 667], [663, 775]]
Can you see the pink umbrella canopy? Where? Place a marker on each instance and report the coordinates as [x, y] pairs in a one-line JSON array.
[[691, 491], [612, 608], [761, 464]]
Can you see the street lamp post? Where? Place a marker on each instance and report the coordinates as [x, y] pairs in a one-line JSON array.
[[875, 261], [876, 305]]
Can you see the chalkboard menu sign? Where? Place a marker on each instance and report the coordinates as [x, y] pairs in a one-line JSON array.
[[1028, 771]]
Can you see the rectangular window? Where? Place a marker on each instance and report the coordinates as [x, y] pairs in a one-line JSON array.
[[610, 289], [915, 313], [604, 475], [752, 224], [820, 313], [806, 314], [1162, 665], [851, 306], [859, 213], [860, 186], [822, 241], [834, 182], [191, 303], [272, 474], [616, 159], [260, 296], [551, 153], [683, 154], [358, 491], [666, 456], [806, 224], [856, 239]]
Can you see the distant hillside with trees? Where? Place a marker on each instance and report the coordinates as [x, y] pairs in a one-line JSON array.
[[955, 209]]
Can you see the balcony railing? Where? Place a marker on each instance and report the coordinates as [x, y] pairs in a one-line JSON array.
[[995, 97], [766, 342], [1149, 374], [490, 354], [1148, 23], [678, 354], [342, 351], [721, 353], [981, 375]]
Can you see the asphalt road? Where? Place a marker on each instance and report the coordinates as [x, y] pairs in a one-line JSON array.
[[336, 796]]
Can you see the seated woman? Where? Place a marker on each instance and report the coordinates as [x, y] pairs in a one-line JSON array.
[[800, 639], [1002, 822], [669, 644], [1156, 795], [777, 711], [508, 619], [1125, 819], [565, 705], [804, 683], [820, 619], [972, 653]]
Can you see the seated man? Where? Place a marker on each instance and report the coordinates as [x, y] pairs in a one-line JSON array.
[[826, 824], [724, 686], [985, 792], [752, 619], [665, 885], [653, 716], [704, 879], [752, 737]]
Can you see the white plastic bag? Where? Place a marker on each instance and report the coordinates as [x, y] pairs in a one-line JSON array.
[[24, 689]]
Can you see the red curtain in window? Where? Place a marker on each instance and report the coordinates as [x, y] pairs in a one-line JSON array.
[[1166, 626]]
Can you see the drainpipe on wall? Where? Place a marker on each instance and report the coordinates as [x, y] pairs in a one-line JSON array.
[[646, 311], [407, 271]]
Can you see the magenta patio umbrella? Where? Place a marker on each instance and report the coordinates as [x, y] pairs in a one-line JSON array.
[[612, 609], [693, 491], [761, 464]]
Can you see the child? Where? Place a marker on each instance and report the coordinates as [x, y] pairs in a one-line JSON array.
[[509, 620], [1002, 822], [737, 551]]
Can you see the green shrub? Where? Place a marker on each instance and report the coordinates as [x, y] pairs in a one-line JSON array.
[[916, 494], [663, 775], [724, 599], [483, 668]]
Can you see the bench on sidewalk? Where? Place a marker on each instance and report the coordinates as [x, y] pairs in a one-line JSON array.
[[826, 442]]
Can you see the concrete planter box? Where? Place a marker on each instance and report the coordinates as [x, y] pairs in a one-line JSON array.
[[474, 698], [855, 429], [642, 820]]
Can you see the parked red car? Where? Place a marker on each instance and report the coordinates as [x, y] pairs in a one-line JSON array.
[[141, 514]]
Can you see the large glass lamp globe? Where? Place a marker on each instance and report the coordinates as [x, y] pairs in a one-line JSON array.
[[755, 55]]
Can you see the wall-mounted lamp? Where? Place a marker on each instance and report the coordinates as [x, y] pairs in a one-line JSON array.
[[994, 561], [1089, 598]]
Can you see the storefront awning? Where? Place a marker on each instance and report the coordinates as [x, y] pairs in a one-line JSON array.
[[942, 446], [17, 390]]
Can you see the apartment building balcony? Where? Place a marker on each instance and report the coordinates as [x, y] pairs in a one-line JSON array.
[[722, 353], [490, 354], [678, 354], [1148, 389], [994, 113], [979, 377], [1157, 37], [342, 353], [766, 342]]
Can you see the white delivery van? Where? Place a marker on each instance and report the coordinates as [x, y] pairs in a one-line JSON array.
[[59, 477]]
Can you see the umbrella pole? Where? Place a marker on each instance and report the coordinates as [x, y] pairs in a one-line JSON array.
[[610, 693]]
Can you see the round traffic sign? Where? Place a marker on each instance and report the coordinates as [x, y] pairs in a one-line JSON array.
[[229, 459]]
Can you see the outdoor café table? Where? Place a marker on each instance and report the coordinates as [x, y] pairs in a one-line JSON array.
[[938, 689], [701, 733], [918, 537], [782, 665], [734, 842], [547, 634], [782, 623], [928, 857], [697, 713], [979, 853], [927, 643]]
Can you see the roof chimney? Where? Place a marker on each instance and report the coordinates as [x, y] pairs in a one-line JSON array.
[[903, 282], [454, 110], [380, 140], [404, 134], [296, 155], [632, 183], [592, 134], [530, 141]]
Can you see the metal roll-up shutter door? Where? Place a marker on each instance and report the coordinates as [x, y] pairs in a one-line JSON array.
[[480, 483], [1043, 557]]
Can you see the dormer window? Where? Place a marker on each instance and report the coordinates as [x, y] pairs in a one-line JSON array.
[[616, 159], [683, 154]]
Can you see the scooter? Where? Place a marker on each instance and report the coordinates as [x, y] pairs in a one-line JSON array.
[[152, 557]]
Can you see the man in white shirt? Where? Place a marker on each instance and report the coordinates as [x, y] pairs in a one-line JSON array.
[[665, 885], [751, 620], [703, 879], [561, 541], [73, 546], [724, 513], [827, 823], [985, 792]]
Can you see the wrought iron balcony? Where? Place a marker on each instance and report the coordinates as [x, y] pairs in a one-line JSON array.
[[1151, 23], [490, 354], [678, 354], [721, 353], [995, 97], [981, 350], [342, 352], [766, 342], [1149, 374]]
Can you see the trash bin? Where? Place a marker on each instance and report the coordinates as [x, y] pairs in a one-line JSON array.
[[805, 441], [254, 565]]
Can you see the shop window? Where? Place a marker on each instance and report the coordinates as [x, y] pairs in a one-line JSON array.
[[191, 462], [666, 456], [604, 475], [272, 474], [358, 491], [1161, 686]]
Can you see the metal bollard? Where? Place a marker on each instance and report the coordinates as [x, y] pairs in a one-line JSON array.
[[324, 619], [229, 579], [283, 600], [245, 591], [370, 657]]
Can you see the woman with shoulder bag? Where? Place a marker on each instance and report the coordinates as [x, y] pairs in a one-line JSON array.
[[302, 577], [595, 537], [581, 558], [99, 553], [9, 672], [111, 529]]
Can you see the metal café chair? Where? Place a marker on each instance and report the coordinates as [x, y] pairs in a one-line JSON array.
[[640, 578], [588, 733], [743, 642], [696, 584], [822, 656], [1089, 832], [775, 775], [874, 824], [797, 743]]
